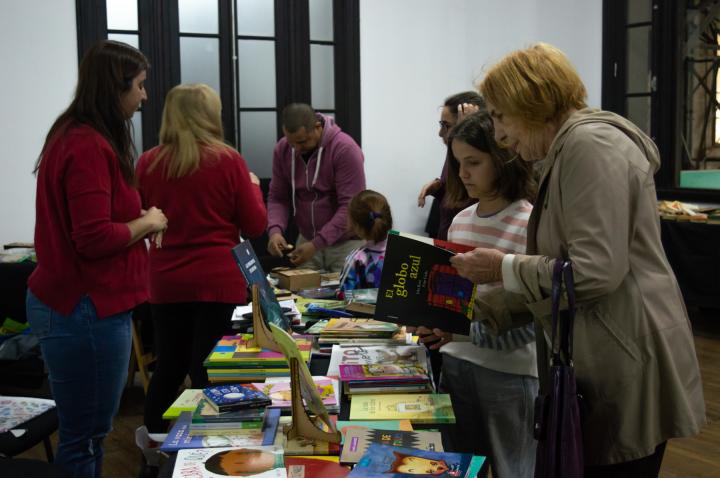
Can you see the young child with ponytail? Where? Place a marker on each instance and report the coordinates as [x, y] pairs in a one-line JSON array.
[[370, 218]]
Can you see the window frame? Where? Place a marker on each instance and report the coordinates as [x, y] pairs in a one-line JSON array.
[[668, 99], [159, 39]]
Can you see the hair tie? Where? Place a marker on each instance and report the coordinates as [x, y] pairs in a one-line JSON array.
[[374, 215]]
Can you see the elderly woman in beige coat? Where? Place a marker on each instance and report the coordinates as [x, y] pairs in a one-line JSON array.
[[634, 354]]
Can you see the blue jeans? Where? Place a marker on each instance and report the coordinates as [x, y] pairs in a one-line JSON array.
[[87, 359], [493, 415]]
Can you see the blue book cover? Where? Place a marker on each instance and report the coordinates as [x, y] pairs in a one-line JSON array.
[[234, 397], [254, 275], [385, 461], [179, 437]]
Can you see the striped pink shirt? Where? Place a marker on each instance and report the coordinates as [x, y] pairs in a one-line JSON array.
[[505, 231]]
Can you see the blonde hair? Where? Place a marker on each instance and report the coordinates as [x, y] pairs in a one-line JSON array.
[[536, 85], [191, 125]]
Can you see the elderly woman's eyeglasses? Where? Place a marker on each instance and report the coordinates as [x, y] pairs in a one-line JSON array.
[[445, 125]]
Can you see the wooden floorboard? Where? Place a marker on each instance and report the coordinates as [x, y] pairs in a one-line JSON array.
[[694, 457]]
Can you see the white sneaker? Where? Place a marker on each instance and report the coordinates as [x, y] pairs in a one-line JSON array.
[[149, 444]]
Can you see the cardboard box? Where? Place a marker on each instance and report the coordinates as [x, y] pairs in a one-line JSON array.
[[297, 279]]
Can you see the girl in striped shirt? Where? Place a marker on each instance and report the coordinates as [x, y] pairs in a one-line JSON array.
[[492, 380]]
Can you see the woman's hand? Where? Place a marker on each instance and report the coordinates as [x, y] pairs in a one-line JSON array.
[[480, 266], [152, 222], [157, 222], [466, 109], [426, 190], [434, 339]]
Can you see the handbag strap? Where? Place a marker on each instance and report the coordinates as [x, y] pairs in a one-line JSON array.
[[562, 350], [570, 323]]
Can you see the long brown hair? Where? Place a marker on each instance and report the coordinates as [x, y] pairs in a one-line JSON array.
[[513, 177], [106, 72]]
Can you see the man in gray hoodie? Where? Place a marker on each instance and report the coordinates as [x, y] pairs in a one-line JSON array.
[[316, 170]]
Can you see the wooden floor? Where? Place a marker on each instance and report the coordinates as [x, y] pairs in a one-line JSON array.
[[696, 457]]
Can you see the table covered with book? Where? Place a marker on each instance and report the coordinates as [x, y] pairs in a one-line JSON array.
[[365, 385]]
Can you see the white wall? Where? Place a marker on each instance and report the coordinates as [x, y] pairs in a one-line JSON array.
[[414, 53], [38, 50]]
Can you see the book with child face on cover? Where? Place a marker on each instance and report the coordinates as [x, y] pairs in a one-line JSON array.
[[257, 461], [420, 287], [385, 461]]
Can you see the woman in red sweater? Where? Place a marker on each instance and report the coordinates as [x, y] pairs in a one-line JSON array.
[[211, 198], [92, 264]]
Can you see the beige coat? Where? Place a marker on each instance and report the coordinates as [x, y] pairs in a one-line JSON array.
[[634, 353]]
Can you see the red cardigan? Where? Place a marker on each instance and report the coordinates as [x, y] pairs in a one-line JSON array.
[[82, 206], [207, 211]]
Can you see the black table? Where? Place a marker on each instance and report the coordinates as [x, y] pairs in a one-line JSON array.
[[693, 250]]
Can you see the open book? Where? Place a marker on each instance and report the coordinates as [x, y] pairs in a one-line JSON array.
[[420, 287]]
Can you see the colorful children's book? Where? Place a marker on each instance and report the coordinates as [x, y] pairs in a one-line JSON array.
[[310, 396], [385, 461], [418, 408], [225, 398], [14, 411], [358, 439], [383, 372], [279, 392], [233, 351], [179, 437], [346, 425], [256, 461], [315, 467], [405, 355], [420, 287], [186, 402], [358, 327]]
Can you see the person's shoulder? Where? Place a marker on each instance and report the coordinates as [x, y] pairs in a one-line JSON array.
[[226, 155], [82, 135], [521, 206], [282, 145], [467, 213], [595, 135], [85, 144], [145, 159], [344, 144]]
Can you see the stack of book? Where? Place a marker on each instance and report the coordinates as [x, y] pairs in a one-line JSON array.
[[233, 361], [229, 410], [207, 421], [381, 369], [347, 331], [278, 389]]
